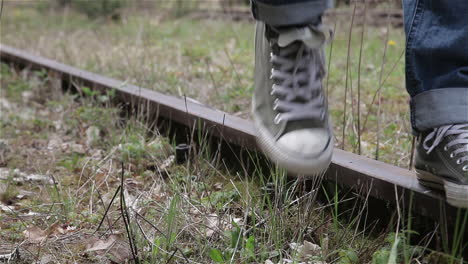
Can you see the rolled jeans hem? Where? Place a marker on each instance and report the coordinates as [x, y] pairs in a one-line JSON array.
[[290, 14], [439, 107]]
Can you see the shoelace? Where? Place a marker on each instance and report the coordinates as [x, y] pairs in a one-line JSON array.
[[460, 141], [297, 83]]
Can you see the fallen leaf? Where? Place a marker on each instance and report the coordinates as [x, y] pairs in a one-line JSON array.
[[18, 176], [54, 143], [77, 148], [167, 163], [8, 252], [304, 252], [311, 249], [113, 246], [212, 222], [34, 234], [6, 208], [92, 136], [217, 186], [97, 154], [97, 244]]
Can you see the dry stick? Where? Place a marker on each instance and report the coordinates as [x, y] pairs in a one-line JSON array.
[[346, 80], [413, 146], [159, 231], [359, 81], [1, 9], [351, 96], [233, 67], [172, 255], [380, 86], [215, 86], [329, 61], [126, 219], [379, 96], [187, 117], [218, 154], [107, 209]]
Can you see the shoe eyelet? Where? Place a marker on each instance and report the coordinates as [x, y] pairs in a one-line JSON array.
[[277, 119], [458, 161], [452, 155], [446, 148], [465, 168]]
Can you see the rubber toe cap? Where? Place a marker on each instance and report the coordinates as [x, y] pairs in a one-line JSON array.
[[305, 142]]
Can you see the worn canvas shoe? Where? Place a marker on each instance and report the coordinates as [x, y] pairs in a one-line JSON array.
[[442, 162], [289, 107]]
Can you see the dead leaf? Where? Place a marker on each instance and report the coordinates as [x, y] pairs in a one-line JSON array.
[[77, 148], [97, 154], [97, 244], [167, 163], [60, 229], [8, 252], [92, 136], [217, 186], [132, 184], [303, 252], [34, 234], [310, 249], [54, 143], [18, 176], [212, 222], [113, 246]]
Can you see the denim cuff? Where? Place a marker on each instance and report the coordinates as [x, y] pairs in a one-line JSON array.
[[439, 107], [302, 13]]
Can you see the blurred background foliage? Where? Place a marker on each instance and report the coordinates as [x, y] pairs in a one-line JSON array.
[[96, 8], [178, 8]]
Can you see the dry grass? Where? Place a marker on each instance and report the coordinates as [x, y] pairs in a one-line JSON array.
[[212, 62], [115, 195], [196, 212]]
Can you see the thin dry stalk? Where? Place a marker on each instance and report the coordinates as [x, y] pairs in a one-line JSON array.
[[380, 87], [347, 75], [379, 96], [413, 146], [329, 60], [359, 81], [107, 209], [126, 220]]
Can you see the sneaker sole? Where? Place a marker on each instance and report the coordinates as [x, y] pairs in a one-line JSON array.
[[302, 166], [456, 194]]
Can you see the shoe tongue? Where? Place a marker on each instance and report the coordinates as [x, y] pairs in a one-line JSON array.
[[312, 37]]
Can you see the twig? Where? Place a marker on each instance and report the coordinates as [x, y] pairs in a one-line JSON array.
[[157, 229], [359, 81], [413, 146], [346, 80], [380, 86], [126, 219], [107, 209], [379, 96], [329, 61]]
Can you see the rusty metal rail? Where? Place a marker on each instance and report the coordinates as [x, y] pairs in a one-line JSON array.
[[366, 176]]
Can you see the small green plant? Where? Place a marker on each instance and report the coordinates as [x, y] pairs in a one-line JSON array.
[[348, 256], [239, 245]]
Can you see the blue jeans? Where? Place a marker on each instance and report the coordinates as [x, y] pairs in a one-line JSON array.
[[436, 53]]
